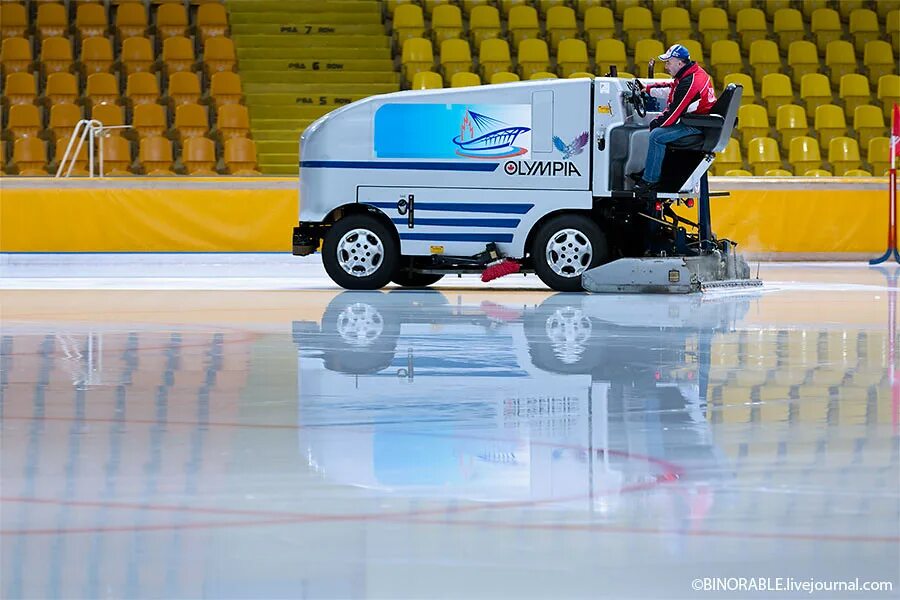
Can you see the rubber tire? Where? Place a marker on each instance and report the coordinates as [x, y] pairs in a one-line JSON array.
[[549, 229], [415, 280], [385, 272]]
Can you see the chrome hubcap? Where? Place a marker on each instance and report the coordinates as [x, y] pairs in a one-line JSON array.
[[360, 252], [360, 324], [569, 253]]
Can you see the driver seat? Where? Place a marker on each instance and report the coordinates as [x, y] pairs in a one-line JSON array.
[[716, 126]]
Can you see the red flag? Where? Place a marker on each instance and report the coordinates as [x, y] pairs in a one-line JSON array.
[[895, 130]]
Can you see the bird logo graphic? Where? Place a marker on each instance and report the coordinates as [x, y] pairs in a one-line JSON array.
[[573, 149]]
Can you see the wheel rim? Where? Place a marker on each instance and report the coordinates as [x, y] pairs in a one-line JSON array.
[[568, 330], [360, 252], [360, 324], [569, 253]]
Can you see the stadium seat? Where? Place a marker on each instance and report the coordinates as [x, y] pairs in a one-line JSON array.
[[178, 54], [198, 155], [15, 55], [534, 56], [504, 77], [561, 25], [493, 57], [240, 156], [599, 24], [52, 21], [637, 24], [729, 158], [23, 120], [13, 20], [826, 27], [776, 90], [738, 173], [456, 57], [191, 120], [675, 24], [409, 23], [863, 28], [212, 21], [610, 52], [110, 115], [446, 23], [892, 27], [763, 155], [56, 55], [148, 120], [725, 58], [790, 122], [829, 123], [63, 118], [788, 27], [879, 155], [622, 5], [753, 122], [20, 88], [857, 173], [696, 7], [417, 56], [431, 5], [465, 79], [803, 59], [695, 48], [751, 26], [427, 80], [96, 56], [764, 58], [142, 88], [183, 88], [745, 81], [644, 52], [61, 88], [91, 21], [807, 7], [136, 56], [713, 26], [80, 169], [572, 57], [102, 88], [778, 173], [484, 24], [30, 157], [522, 24], [581, 75], [155, 156], [817, 173], [843, 154], [543, 75], [2, 157], [233, 120], [131, 20], [854, 91], [840, 59], [507, 5], [868, 121], [116, 152], [804, 154], [815, 90], [772, 7], [879, 60], [225, 88], [846, 7], [888, 93], [171, 21], [658, 7], [219, 55]]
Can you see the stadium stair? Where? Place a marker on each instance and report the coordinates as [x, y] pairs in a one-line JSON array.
[[317, 57]]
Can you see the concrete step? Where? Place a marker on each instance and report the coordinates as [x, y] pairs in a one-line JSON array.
[[307, 29], [268, 169], [274, 135], [288, 125], [323, 78], [337, 65], [264, 41], [299, 99], [313, 54], [304, 6], [279, 159], [302, 20], [278, 146], [290, 113], [316, 90]]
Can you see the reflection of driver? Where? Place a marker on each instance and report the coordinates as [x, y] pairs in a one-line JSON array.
[[691, 92]]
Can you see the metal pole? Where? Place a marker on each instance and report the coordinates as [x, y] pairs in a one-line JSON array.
[[65, 156], [703, 217]]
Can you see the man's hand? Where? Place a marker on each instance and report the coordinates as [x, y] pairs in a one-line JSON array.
[[656, 122], [638, 83]]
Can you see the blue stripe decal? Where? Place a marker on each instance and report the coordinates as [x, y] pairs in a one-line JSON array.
[[502, 223], [470, 207], [392, 164], [458, 237]]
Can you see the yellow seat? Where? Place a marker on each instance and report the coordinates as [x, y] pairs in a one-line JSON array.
[[219, 55], [561, 25], [52, 21], [581, 75], [30, 157], [63, 118], [131, 20], [764, 58], [843, 154], [610, 52], [21, 88], [391, 5], [212, 21], [91, 21], [56, 55], [840, 59], [599, 24], [484, 24], [892, 26], [725, 58], [148, 120], [879, 155], [534, 57], [191, 120], [142, 88], [456, 57], [199, 156], [751, 26], [713, 26], [178, 53], [763, 155], [542, 75], [23, 120], [102, 88], [696, 7], [868, 121], [778, 173], [409, 23], [738, 173], [729, 158], [675, 24], [788, 26], [815, 91], [753, 122], [183, 88], [884, 9], [13, 20], [417, 56], [470, 5], [232, 120], [62, 88], [155, 156], [523, 24], [136, 56], [817, 173], [15, 55], [507, 5], [493, 57], [96, 56], [695, 49], [826, 27], [431, 5], [854, 91], [504, 77], [863, 27], [465, 79], [879, 59], [790, 122], [427, 80], [446, 23], [225, 88], [736, 6], [116, 152], [749, 95], [240, 156], [888, 92], [829, 123], [645, 51], [658, 7], [804, 154], [622, 5], [808, 7], [637, 24], [171, 21], [772, 7], [572, 57], [776, 90], [857, 173], [803, 59]]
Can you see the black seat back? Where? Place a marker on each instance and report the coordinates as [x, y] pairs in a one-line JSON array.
[[727, 106]]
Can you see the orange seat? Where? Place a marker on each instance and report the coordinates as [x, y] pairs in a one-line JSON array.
[[149, 120], [155, 156], [62, 88], [52, 21], [21, 88], [178, 54], [91, 21], [81, 162], [136, 56], [142, 88], [102, 88], [63, 118], [218, 55], [225, 88], [191, 120], [131, 20], [184, 88], [199, 156], [240, 156], [171, 21], [116, 153], [24, 120], [15, 55], [30, 157], [56, 55], [96, 55], [212, 21], [13, 20], [233, 120], [110, 115]]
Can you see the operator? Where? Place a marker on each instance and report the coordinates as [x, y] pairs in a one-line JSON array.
[[691, 92]]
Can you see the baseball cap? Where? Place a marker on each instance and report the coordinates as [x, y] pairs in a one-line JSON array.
[[676, 51]]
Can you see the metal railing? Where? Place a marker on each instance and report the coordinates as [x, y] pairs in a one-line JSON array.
[[90, 130]]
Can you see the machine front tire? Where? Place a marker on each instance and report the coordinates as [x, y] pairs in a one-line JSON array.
[[566, 246], [360, 253], [415, 280]]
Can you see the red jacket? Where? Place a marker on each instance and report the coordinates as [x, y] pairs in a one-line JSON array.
[[691, 91]]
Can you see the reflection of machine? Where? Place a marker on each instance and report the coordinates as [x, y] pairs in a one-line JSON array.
[[571, 401]]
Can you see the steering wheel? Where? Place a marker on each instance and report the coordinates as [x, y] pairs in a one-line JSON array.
[[636, 98]]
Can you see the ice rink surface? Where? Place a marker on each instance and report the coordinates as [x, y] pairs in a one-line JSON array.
[[235, 426]]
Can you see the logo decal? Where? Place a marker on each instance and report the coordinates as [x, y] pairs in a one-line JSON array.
[[481, 136], [541, 168], [573, 149]]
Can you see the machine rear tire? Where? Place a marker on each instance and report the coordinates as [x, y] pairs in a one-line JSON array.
[[378, 255], [566, 246]]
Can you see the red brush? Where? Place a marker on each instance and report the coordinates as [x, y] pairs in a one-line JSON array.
[[499, 269]]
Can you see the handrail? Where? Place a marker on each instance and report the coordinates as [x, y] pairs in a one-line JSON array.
[[89, 129]]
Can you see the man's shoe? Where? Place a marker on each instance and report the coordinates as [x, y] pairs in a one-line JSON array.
[[644, 188], [636, 176]]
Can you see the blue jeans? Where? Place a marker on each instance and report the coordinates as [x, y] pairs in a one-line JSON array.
[[656, 149]]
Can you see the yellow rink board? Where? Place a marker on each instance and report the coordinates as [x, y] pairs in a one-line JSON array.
[[257, 215]]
